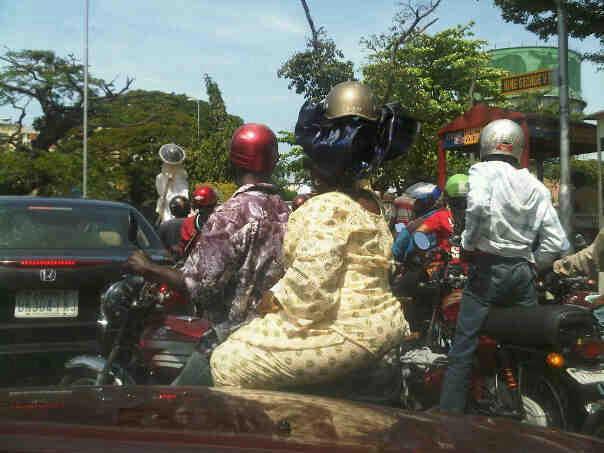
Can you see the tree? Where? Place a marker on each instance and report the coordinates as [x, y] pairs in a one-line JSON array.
[[315, 70], [123, 158], [290, 169], [436, 78], [409, 21], [585, 18], [209, 161], [57, 84]]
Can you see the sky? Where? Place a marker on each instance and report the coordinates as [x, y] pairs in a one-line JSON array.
[[167, 45]]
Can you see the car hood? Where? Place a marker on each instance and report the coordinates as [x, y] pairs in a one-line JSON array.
[[187, 417]]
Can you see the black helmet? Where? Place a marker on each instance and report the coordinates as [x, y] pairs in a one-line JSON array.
[[353, 143], [180, 206]]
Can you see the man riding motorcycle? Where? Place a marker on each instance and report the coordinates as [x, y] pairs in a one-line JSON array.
[[332, 312], [430, 216], [169, 231], [456, 197], [238, 254], [508, 211], [204, 203]]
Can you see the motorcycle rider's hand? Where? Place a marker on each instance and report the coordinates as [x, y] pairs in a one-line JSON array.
[[138, 262]]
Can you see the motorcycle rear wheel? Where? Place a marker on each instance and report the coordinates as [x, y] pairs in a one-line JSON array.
[[534, 414], [543, 402]]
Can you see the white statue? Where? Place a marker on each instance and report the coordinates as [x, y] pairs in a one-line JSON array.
[[172, 180]]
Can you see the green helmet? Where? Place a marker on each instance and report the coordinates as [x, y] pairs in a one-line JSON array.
[[457, 186]]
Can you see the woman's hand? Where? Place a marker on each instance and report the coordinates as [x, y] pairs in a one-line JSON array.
[[138, 263], [268, 304]]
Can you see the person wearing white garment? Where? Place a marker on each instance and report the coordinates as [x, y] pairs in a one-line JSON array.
[[172, 181], [511, 230]]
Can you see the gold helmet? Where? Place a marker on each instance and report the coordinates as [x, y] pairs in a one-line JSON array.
[[351, 99]]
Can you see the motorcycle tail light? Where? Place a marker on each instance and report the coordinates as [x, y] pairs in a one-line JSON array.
[[555, 360], [590, 349]]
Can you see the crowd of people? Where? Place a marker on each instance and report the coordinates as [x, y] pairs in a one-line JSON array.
[[303, 295]]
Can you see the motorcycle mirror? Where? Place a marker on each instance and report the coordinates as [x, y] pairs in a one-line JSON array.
[[422, 241]]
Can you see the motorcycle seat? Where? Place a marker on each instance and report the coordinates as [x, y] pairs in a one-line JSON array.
[[543, 325]]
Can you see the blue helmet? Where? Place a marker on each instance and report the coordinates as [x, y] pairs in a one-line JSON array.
[[425, 195]]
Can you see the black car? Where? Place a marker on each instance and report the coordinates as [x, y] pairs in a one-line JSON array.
[[56, 257]]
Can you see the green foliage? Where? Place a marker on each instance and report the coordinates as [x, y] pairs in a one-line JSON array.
[[436, 78], [209, 160], [588, 168], [315, 70], [57, 85], [585, 18], [290, 168], [123, 159]]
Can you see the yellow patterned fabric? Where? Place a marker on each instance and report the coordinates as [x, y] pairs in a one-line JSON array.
[[338, 312]]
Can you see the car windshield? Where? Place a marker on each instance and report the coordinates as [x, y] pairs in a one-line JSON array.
[[64, 227]]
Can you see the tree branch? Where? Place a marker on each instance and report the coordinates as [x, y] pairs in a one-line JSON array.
[[418, 13], [14, 138], [311, 24], [19, 90]]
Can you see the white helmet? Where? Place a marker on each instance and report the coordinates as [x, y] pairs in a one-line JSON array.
[[502, 137], [172, 154]]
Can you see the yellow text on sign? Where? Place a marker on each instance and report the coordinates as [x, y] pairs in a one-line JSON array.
[[526, 82]]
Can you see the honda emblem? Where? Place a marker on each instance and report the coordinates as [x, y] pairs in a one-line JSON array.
[[48, 275]]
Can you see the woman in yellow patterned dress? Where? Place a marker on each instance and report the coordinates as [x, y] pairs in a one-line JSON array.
[[333, 310]]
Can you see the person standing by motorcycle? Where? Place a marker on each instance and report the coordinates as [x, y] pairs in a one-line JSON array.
[[204, 203], [238, 255], [508, 212]]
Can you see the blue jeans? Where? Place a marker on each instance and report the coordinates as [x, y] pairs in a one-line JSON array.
[[492, 280]]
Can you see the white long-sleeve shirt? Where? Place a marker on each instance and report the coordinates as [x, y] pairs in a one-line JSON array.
[[510, 214]]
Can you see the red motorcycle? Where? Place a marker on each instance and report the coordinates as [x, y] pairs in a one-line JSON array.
[[542, 365], [536, 365], [139, 341]]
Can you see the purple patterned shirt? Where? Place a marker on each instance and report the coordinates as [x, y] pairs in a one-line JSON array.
[[238, 255]]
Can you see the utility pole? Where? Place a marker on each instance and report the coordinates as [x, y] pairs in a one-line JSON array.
[[198, 122], [566, 208], [85, 125]]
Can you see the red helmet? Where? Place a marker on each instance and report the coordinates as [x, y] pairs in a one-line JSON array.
[[204, 196], [254, 148]]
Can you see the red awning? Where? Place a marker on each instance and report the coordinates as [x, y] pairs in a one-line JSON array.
[[478, 116]]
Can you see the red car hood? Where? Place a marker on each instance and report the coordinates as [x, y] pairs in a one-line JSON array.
[[172, 420]]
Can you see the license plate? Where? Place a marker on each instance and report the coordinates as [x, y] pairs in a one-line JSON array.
[[46, 304], [586, 376]]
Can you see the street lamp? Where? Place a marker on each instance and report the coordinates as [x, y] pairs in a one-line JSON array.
[[85, 119]]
